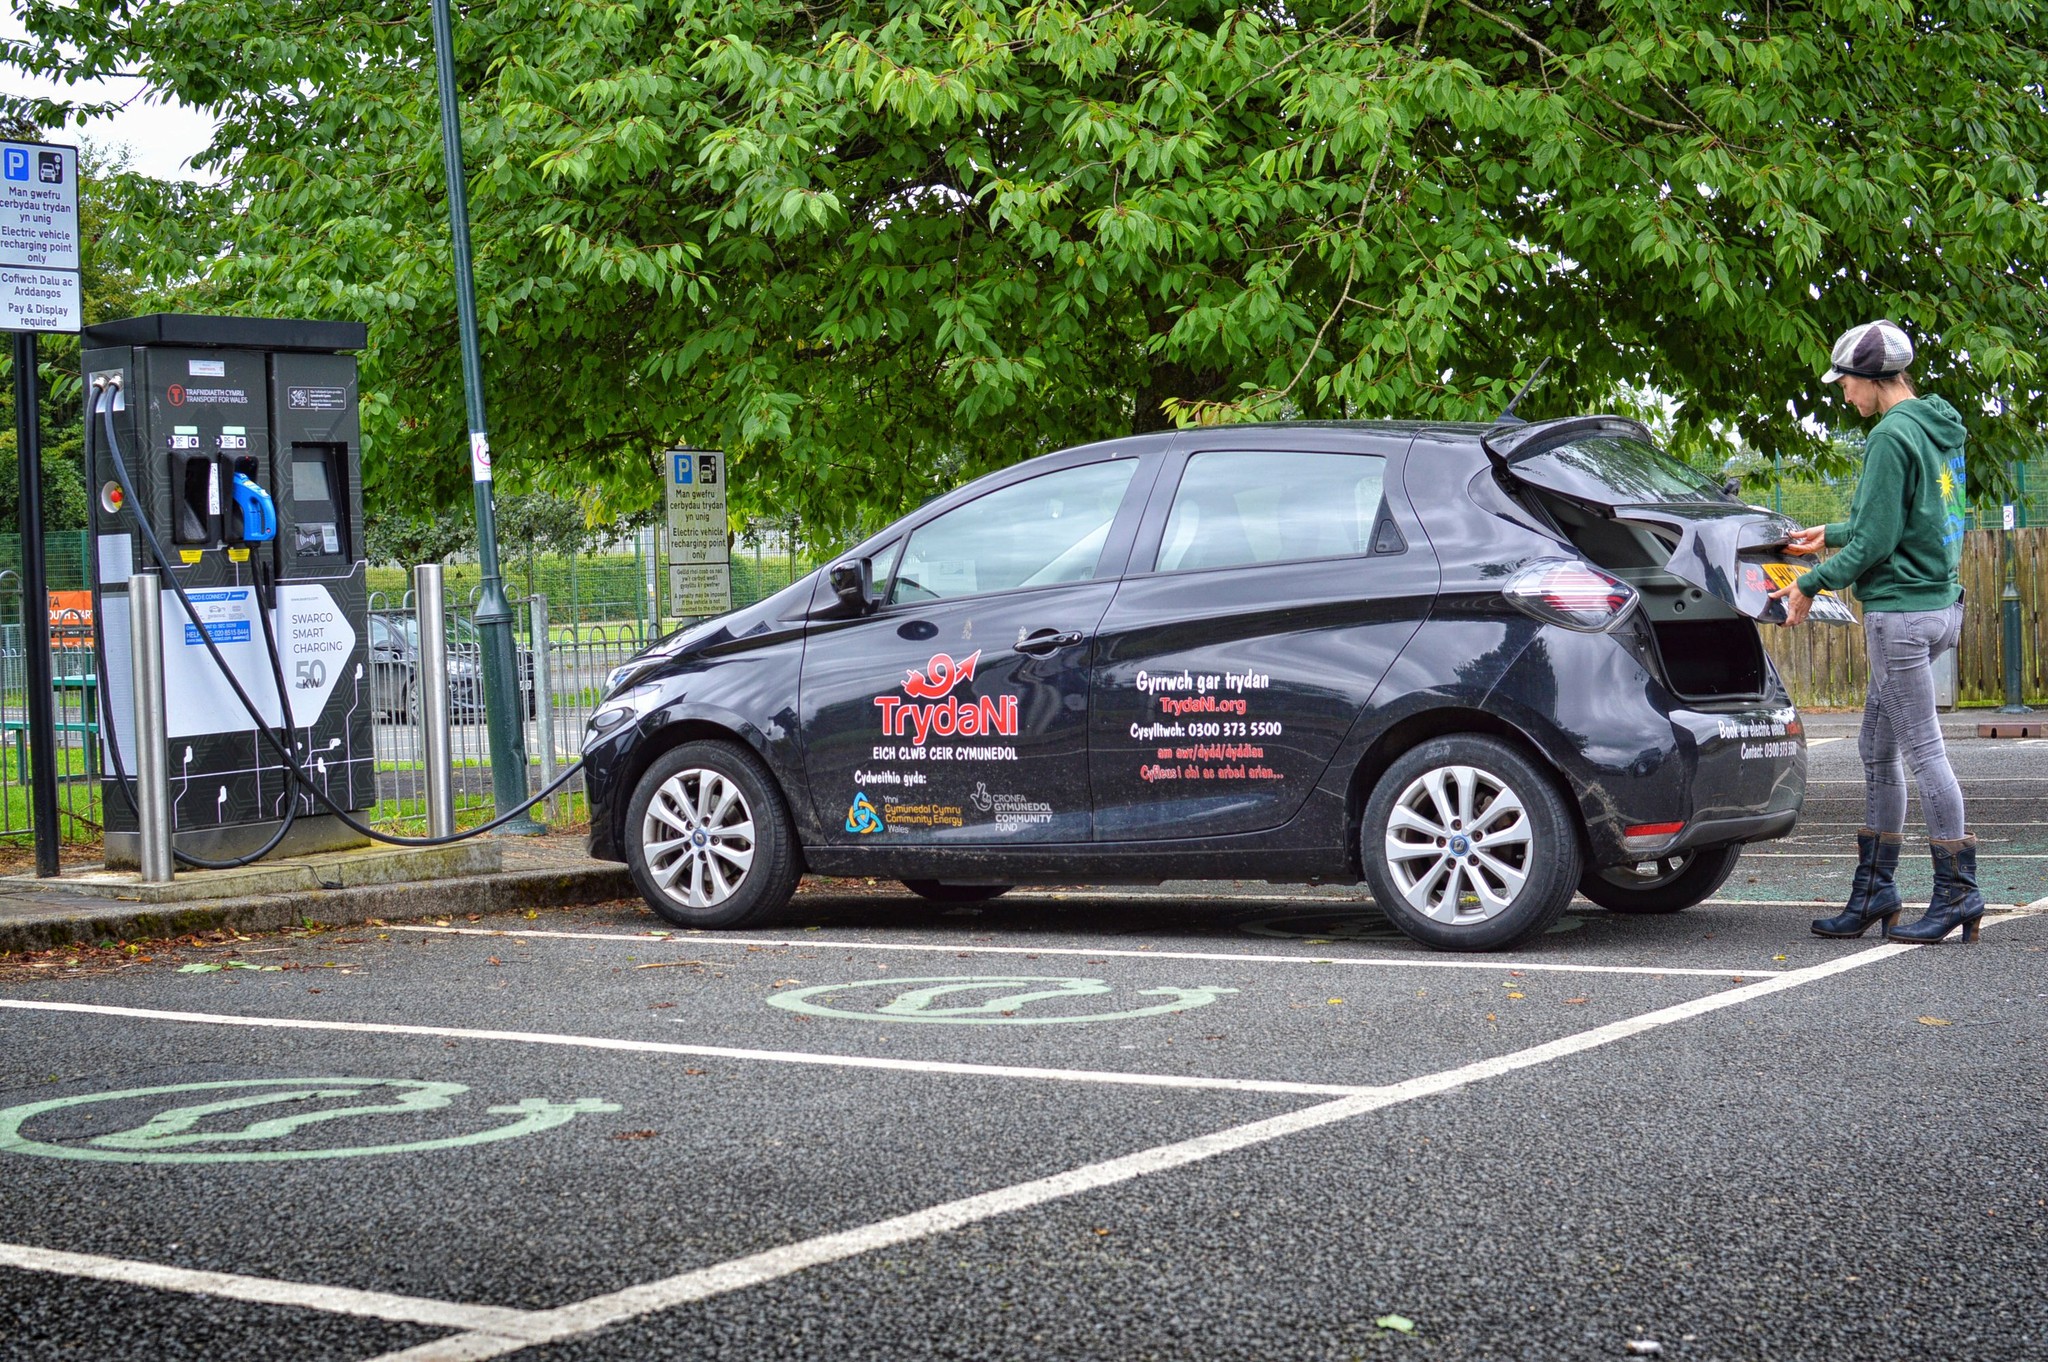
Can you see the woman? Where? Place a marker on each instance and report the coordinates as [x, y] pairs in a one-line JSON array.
[[1899, 549]]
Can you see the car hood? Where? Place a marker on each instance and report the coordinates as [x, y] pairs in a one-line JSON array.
[[771, 616]]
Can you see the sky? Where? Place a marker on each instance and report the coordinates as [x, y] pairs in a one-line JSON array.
[[161, 138]]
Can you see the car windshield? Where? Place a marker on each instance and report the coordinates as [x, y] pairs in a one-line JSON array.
[[1631, 470]]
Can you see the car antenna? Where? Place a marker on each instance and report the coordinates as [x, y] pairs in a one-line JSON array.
[[1507, 415]]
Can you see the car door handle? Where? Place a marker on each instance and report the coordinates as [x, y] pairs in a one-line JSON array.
[[1042, 641]]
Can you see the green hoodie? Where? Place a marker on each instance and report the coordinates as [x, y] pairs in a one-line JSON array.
[[1904, 535]]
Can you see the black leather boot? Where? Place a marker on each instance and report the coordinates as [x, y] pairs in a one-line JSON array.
[[1872, 895], [1955, 903]]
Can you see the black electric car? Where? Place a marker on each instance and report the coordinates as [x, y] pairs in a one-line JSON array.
[[1477, 667]]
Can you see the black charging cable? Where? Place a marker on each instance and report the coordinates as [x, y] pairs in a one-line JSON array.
[[104, 407]]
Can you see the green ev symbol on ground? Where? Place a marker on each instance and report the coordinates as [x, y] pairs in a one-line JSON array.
[[202, 1131], [983, 1000]]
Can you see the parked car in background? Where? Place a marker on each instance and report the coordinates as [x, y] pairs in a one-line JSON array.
[[1477, 667], [394, 666]]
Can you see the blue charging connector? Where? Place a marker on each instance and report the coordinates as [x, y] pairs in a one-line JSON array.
[[259, 512]]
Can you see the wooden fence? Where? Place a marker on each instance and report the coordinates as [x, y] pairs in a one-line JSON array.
[[1824, 666]]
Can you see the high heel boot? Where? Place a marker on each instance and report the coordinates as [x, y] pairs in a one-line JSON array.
[[1955, 902], [1872, 895]]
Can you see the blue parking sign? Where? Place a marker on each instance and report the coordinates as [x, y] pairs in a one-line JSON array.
[[17, 163], [685, 469]]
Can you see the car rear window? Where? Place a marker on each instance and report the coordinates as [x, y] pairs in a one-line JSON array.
[[1233, 508], [1617, 469]]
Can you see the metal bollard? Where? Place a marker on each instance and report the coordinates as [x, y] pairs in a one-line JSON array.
[[430, 612], [544, 702], [152, 753]]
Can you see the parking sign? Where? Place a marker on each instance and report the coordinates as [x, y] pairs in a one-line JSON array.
[[39, 238], [699, 575]]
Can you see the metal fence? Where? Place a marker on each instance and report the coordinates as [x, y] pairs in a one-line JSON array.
[[562, 667], [75, 683]]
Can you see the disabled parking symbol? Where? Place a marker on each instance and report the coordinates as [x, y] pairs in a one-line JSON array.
[[985, 1000], [295, 1118]]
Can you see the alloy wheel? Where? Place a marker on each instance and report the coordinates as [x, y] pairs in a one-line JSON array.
[[1458, 844], [698, 835]]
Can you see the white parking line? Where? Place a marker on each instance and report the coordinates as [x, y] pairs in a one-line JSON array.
[[481, 1320], [656, 1047], [618, 1307], [833, 944]]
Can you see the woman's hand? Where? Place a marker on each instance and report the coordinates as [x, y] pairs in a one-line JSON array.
[[1812, 539], [1797, 603]]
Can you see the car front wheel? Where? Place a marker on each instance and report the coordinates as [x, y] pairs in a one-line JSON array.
[[1468, 846], [708, 840], [1668, 884]]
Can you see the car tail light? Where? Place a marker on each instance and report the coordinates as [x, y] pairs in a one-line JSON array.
[[1567, 592]]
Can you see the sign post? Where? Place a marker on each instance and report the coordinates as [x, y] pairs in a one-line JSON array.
[[699, 564], [38, 292]]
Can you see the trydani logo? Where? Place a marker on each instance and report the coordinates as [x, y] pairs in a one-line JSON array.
[[862, 817], [940, 675]]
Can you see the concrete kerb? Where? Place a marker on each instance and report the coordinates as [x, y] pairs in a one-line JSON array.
[[531, 874]]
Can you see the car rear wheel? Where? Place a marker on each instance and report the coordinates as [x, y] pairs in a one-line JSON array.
[[939, 892], [1468, 846], [708, 840], [1668, 884]]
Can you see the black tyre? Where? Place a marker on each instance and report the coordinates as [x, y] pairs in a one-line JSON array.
[[708, 840], [1669, 884], [408, 707], [1468, 846], [940, 892]]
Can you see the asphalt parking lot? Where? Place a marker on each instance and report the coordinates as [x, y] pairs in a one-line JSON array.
[[1197, 1121]]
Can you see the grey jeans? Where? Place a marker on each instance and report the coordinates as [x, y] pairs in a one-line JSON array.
[[1899, 721]]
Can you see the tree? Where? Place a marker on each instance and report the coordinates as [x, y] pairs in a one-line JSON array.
[[869, 247]]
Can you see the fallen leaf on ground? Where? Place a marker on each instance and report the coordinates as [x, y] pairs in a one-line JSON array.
[[1336, 1002], [670, 964], [1575, 1001], [198, 969], [491, 960], [1400, 1324], [780, 982], [1518, 995], [634, 1135], [1934, 1021], [694, 1073]]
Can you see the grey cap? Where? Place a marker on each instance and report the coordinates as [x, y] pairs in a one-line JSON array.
[[1872, 350]]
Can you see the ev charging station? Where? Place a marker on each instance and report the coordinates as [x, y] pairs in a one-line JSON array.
[[242, 442]]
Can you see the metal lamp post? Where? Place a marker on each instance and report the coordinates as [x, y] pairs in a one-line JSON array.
[[503, 709], [2009, 606]]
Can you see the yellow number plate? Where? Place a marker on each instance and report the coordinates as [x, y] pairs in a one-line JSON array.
[[1781, 574]]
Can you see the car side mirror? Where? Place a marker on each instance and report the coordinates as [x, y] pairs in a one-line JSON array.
[[854, 584]]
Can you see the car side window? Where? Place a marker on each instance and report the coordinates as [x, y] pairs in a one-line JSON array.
[[1238, 507], [1041, 532]]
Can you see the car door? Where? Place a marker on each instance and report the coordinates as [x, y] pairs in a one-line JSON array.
[[957, 711], [1268, 592]]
